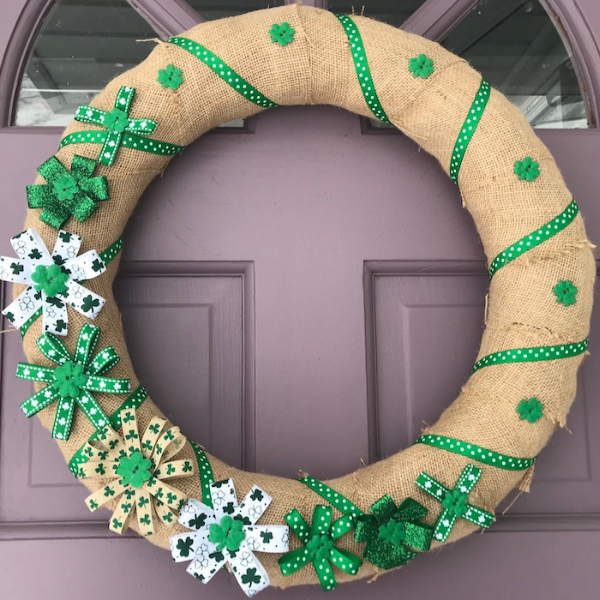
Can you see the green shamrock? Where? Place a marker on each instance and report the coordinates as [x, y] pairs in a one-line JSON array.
[[51, 280], [266, 536], [116, 120], [455, 502], [565, 292], [16, 268], [282, 33], [198, 521], [65, 187], [393, 532], [170, 77], [319, 547], [421, 66], [256, 495], [135, 469], [185, 546], [69, 379], [530, 410], [89, 303], [527, 169], [228, 534], [250, 577]]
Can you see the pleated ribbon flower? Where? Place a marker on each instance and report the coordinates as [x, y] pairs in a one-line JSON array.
[[134, 469], [73, 380], [227, 534], [319, 546], [51, 279], [393, 534]]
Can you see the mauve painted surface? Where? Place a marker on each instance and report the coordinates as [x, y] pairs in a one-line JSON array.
[[262, 251]]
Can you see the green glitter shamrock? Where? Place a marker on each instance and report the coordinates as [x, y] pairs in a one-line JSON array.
[[170, 77], [530, 410], [134, 469], [227, 534], [282, 34], [565, 292], [51, 280], [527, 169], [421, 66]]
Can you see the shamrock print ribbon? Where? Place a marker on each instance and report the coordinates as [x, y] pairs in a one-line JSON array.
[[51, 280], [318, 546], [455, 502], [136, 467], [67, 194], [228, 535], [73, 380], [393, 534]]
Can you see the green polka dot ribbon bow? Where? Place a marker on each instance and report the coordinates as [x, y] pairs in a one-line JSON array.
[[52, 280], [134, 469], [319, 546], [455, 502], [227, 534], [73, 380], [67, 193], [393, 534]]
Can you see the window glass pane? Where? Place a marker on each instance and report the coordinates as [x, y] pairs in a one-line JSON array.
[[82, 45], [217, 9], [393, 12], [517, 48]]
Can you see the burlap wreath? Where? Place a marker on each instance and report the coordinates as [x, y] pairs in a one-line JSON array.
[[522, 312]]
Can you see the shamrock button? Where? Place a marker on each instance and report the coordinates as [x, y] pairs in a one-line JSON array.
[[170, 77], [282, 33], [527, 169], [530, 410], [69, 379], [319, 547], [51, 280], [134, 469], [565, 292], [455, 502], [421, 66], [116, 120], [393, 532], [65, 187]]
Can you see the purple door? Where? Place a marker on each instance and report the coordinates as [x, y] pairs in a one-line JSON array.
[[302, 263]]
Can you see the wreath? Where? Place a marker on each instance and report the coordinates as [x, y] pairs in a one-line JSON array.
[[168, 488]]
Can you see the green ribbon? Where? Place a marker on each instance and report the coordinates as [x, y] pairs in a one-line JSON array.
[[134, 402], [393, 534], [334, 498], [483, 455], [535, 238], [468, 129], [67, 193], [534, 354], [73, 380], [224, 71], [361, 65], [206, 473], [318, 546], [455, 502]]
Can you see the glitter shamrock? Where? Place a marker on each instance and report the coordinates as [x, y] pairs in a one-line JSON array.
[[421, 66], [282, 33], [73, 380], [170, 77], [527, 169], [565, 292], [530, 410], [51, 280], [134, 468], [227, 534]]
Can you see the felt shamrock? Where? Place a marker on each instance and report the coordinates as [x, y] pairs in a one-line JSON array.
[[565, 292], [527, 169], [421, 66], [282, 33], [530, 410], [170, 77]]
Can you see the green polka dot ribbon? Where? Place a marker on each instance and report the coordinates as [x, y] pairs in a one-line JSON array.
[[535, 238], [134, 401], [121, 130], [318, 546], [455, 502], [534, 354], [489, 457], [73, 380], [224, 71], [106, 256], [359, 57], [468, 129], [206, 473], [334, 498]]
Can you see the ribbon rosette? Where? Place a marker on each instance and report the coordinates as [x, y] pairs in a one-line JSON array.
[[227, 534], [137, 470], [393, 534], [73, 380], [455, 502], [318, 546], [51, 280]]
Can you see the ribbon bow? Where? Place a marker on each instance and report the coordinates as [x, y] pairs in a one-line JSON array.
[[51, 280], [117, 122], [227, 534], [455, 502], [71, 382], [392, 533], [318, 546], [136, 468], [67, 193]]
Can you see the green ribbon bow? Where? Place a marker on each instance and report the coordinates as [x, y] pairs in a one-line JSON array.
[[117, 122], [393, 534], [67, 193], [318, 546], [72, 380], [455, 502]]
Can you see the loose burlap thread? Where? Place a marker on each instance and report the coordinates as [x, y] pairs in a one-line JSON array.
[[317, 68]]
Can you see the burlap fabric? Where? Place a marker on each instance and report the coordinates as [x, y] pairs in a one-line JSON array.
[[317, 68]]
